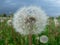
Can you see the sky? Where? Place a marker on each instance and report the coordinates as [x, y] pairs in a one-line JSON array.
[[51, 7]]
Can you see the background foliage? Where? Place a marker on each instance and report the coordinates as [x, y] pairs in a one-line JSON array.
[[8, 35]]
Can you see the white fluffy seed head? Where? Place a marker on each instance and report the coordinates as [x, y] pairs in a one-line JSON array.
[[43, 39], [27, 16], [1, 20], [56, 22], [9, 22]]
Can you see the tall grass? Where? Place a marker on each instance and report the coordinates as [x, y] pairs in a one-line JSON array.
[[8, 35]]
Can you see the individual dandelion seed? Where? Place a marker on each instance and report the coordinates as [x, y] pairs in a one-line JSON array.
[[43, 39], [9, 22], [30, 20]]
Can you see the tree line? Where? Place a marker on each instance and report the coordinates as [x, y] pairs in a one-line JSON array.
[[6, 15]]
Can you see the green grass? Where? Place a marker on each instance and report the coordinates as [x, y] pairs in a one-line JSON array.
[[8, 36]]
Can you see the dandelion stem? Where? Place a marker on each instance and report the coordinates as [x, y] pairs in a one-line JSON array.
[[30, 39]]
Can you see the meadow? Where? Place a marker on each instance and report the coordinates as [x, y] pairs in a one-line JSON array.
[[8, 35]]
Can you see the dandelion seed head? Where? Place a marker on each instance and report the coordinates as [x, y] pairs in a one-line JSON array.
[[56, 22], [43, 39], [26, 17], [1, 20], [9, 22]]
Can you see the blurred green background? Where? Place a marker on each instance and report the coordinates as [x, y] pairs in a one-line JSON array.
[[8, 35]]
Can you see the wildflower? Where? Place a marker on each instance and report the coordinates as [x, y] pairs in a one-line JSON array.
[[56, 22], [1, 20], [30, 20], [43, 39], [9, 22]]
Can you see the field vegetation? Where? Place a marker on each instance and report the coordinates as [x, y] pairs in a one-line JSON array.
[[8, 35]]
